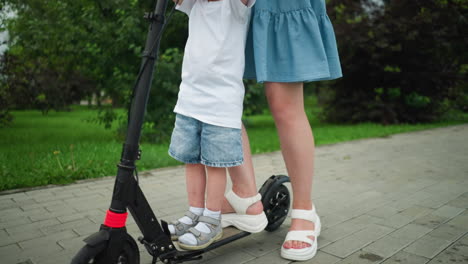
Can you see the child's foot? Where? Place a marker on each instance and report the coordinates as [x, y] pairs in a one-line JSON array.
[[207, 231], [181, 226]]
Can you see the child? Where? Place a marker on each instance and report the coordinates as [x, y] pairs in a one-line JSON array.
[[207, 132]]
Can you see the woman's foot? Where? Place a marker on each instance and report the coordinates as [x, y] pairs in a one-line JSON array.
[[254, 209], [299, 224], [245, 214], [301, 241]]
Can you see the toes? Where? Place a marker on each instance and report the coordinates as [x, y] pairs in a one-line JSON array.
[[295, 244]]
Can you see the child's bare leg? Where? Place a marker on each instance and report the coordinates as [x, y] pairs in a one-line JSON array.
[[195, 178]]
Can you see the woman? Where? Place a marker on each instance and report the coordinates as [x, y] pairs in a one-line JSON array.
[[289, 43]]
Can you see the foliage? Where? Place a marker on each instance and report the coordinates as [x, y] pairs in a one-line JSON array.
[[401, 62], [159, 116], [99, 41], [31, 84]]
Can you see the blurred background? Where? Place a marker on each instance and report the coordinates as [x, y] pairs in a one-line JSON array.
[[67, 68]]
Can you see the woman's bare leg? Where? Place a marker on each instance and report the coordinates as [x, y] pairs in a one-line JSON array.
[[286, 101], [243, 179], [215, 187]]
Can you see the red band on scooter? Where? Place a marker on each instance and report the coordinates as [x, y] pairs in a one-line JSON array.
[[115, 220]]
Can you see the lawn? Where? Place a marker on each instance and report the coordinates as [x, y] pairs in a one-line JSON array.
[[63, 147]]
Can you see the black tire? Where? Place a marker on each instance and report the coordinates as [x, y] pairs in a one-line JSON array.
[[96, 255], [87, 254], [276, 204]]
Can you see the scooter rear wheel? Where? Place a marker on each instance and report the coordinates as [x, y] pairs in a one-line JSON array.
[[276, 201], [129, 254]]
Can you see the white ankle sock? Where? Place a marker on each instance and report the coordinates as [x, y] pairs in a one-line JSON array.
[[185, 219], [189, 239]]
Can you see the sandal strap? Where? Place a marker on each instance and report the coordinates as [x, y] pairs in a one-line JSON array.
[[180, 226], [300, 235], [309, 215], [239, 204], [209, 220], [194, 231], [191, 215]]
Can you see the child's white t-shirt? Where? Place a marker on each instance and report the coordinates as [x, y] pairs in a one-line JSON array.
[[212, 90]]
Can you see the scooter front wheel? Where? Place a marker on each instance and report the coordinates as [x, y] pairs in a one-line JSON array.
[[128, 254]]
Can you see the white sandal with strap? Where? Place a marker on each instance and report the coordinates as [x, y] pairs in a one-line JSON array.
[[241, 220], [306, 253]]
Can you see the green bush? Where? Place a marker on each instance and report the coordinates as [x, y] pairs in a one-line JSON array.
[[401, 61]]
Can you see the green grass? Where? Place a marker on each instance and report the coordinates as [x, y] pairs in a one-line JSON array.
[[63, 147]]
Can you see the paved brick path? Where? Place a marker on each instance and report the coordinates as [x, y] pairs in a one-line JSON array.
[[401, 199]]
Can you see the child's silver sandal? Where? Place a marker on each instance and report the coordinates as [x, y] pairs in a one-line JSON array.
[[182, 228], [205, 239]]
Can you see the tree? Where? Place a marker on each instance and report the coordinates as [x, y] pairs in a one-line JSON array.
[[403, 62]]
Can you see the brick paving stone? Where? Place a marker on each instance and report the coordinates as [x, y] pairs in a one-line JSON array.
[[17, 222], [427, 246], [430, 221], [258, 248], [362, 257], [272, 257], [32, 226], [411, 232], [66, 226], [232, 257], [42, 250], [448, 232], [448, 211], [24, 236], [383, 212], [339, 231], [346, 246], [322, 258], [31, 206], [49, 215], [91, 213], [403, 257], [47, 240], [460, 202], [460, 221], [7, 204], [13, 249], [387, 246], [74, 243], [456, 253]]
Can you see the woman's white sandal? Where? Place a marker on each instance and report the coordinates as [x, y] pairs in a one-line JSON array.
[[306, 253], [241, 220]]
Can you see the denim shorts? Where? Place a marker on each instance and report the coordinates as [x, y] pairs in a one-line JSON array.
[[195, 142]]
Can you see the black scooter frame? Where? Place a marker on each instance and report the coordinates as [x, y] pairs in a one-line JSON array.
[[127, 193]]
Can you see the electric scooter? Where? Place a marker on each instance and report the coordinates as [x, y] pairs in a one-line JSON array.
[[112, 244]]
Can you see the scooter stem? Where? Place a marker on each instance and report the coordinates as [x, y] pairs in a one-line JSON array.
[[123, 191]]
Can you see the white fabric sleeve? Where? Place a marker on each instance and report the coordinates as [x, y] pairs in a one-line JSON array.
[[186, 6], [240, 10]]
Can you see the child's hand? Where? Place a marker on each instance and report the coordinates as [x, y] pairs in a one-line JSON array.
[[179, 2]]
